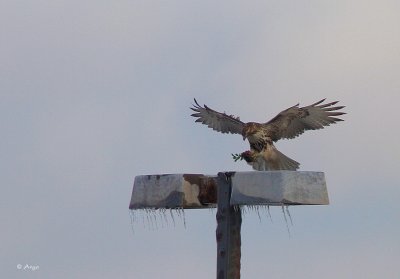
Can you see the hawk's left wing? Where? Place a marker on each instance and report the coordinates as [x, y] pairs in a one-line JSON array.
[[295, 120], [218, 121]]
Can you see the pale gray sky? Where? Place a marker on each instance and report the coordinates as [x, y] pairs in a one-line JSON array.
[[93, 93]]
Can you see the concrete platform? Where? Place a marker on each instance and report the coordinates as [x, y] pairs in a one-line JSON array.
[[248, 188], [173, 191], [279, 187]]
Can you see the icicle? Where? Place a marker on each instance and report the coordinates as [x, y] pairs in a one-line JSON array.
[[184, 218], [258, 213], [132, 215], [287, 224], [149, 219], [154, 213], [160, 218], [146, 211], [179, 212], [288, 213], [269, 214], [143, 219], [172, 216], [153, 221], [236, 208], [164, 215]]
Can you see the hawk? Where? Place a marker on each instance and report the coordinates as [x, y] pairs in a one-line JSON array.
[[288, 124]]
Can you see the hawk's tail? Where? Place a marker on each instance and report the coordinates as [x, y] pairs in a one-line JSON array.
[[283, 162], [269, 159]]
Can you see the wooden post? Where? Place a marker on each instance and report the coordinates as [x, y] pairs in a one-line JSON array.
[[228, 237]]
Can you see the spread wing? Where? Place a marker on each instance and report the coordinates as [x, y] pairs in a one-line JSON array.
[[293, 121], [218, 121]]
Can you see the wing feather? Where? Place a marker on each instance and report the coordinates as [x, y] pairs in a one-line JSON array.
[[217, 121], [294, 121]]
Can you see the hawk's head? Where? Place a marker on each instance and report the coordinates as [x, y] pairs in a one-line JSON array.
[[249, 129]]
